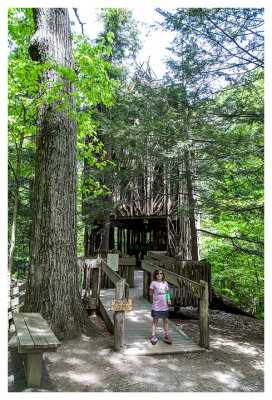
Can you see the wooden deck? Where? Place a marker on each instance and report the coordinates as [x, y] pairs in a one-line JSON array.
[[138, 325]]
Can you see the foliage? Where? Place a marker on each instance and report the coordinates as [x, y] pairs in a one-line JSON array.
[[120, 29], [26, 94], [210, 103], [217, 74], [226, 42], [119, 23]]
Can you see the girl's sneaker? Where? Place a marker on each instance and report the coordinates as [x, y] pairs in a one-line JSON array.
[[153, 339], [167, 339]]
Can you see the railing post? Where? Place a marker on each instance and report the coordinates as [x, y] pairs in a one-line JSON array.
[[204, 340], [146, 283], [118, 317], [99, 273]]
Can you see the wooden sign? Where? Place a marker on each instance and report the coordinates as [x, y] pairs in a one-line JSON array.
[[121, 305], [113, 261]]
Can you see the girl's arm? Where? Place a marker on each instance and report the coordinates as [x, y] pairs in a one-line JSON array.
[[151, 291], [168, 297]]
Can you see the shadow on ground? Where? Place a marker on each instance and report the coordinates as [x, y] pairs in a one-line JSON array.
[[85, 364]]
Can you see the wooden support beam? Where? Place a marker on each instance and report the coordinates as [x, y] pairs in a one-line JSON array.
[[34, 369], [113, 276], [146, 284], [204, 340], [119, 317], [95, 283], [99, 274]]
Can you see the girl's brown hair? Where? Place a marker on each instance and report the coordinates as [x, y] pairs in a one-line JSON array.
[[155, 274]]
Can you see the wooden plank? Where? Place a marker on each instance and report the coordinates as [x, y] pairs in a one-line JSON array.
[[85, 261], [160, 257], [113, 276], [50, 337], [138, 327], [18, 289], [16, 301], [23, 334], [129, 261], [106, 316], [36, 334]]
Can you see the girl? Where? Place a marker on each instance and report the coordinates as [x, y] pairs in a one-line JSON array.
[[159, 292]]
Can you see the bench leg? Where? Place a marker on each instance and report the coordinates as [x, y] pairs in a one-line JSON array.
[[34, 369]]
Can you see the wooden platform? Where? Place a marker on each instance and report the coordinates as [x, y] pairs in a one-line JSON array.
[[138, 325]]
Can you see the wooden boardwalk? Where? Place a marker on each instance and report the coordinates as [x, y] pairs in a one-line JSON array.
[[138, 325]]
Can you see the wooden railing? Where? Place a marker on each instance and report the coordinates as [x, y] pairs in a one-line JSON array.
[[91, 271], [121, 292], [158, 256], [190, 269], [126, 268], [16, 297], [199, 290], [89, 278]]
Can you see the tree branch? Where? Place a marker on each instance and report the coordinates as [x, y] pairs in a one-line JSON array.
[[232, 39], [81, 23], [231, 237]]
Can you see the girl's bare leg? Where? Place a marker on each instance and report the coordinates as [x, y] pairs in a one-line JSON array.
[[165, 325], [154, 325]]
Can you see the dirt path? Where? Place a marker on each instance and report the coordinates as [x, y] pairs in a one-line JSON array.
[[234, 362]]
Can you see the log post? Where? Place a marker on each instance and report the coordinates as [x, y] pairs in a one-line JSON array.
[[94, 282], [99, 274], [204, 316], [94, 288], [146, 285], [118, 317], [131, 275]]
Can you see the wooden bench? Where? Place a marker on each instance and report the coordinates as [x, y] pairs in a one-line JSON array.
[[34, 338]]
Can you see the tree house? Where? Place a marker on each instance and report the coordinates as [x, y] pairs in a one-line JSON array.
[[150, 214]]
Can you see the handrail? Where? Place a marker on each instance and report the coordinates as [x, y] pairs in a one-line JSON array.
[[159, 257], [171, 277], [200, 290], [113, 276], [121, 292]]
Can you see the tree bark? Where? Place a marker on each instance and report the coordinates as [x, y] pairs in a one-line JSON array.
[[53, 287], [191, 203]]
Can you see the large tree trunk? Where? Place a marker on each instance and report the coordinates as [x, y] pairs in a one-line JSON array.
[[53, 288], [191, 202]]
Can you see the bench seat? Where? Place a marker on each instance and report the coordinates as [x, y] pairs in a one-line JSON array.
[[34, 338]]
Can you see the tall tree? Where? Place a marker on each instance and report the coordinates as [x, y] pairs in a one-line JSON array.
[[121, 33], [53, 286], [211, 49]]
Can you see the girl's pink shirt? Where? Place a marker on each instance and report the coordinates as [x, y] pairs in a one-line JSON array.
[[159, 295]]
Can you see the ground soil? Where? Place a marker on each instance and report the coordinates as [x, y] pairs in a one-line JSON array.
[[234, 363]]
